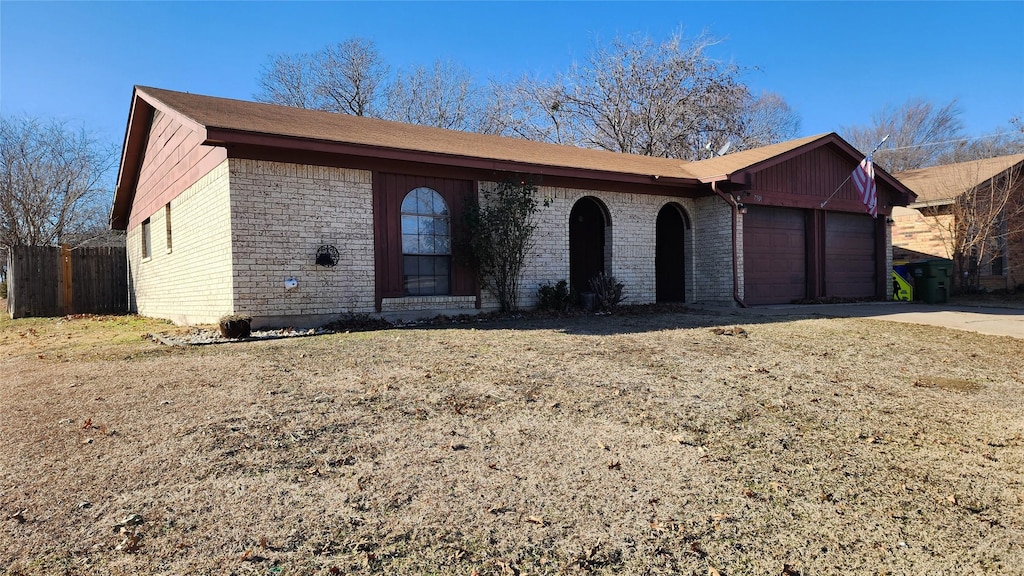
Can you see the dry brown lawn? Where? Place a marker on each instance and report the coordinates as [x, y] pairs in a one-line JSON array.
[[671, 443]]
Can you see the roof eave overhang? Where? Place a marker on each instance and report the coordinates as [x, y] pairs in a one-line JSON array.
[[931, 203], [229, 138]]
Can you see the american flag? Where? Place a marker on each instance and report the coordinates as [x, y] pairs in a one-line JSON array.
[[864, 180]]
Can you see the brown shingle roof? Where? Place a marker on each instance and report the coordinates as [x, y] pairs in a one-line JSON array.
[[943, 183], [712, 168], [227, 122], [254, 117]]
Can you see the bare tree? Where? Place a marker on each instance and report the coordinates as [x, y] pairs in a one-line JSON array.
[[1004, 141], [50, 181], [982, 220], [288, 80], [639, 97], [667, 99], [531, 109], [920, 134], [766, 119], [442, 96], [346, 77]]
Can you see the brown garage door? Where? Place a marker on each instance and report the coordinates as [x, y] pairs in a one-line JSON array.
[[849, 255], [774, 255]]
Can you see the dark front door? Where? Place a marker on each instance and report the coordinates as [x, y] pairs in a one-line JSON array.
[[669, 263], [586, 243]]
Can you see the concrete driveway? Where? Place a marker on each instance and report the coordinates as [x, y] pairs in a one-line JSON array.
[[995, 321]]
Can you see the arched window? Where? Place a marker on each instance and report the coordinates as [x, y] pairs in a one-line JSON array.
[[426, 243]]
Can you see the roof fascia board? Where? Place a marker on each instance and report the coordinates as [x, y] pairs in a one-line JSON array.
[[931, 203], [227, 137], [140, 115]]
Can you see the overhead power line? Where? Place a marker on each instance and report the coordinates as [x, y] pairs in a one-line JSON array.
[[951, 141]]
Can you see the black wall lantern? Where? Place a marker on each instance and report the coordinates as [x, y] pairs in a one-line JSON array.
[[327, 255]]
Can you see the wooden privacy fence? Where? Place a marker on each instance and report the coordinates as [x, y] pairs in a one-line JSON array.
[[55, 281]]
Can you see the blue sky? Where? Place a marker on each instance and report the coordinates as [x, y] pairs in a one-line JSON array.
[[836, 63]]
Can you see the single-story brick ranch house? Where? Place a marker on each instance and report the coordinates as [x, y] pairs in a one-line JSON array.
[[928, 226], [235, 207]]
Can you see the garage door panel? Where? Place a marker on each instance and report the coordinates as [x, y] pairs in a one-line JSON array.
[[774, 255], [850, 258]]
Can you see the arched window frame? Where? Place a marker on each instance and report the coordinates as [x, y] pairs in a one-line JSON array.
[[426, 243]]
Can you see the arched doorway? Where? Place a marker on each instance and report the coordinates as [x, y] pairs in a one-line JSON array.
[[586, 243], [669, 259]]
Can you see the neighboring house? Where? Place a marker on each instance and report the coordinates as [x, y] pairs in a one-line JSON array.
[[969, 212], [229, 206]]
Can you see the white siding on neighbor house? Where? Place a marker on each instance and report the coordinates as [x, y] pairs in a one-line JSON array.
[[191, 283], [281, 214], [629, 245]]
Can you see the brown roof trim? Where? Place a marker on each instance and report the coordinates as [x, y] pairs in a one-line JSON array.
[[232, 138], [140, 114]]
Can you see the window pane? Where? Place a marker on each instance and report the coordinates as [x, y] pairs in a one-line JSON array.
[[409, 225], [439, 206], [409, 204], [426, 245], [424, 201], [441, 285], [409, 243], [441, 265], [443, 245], [425, 225], [410, 266], [426, 266]]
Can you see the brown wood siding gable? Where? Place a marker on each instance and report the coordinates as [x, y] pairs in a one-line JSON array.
[[174, 159], [805, 181]]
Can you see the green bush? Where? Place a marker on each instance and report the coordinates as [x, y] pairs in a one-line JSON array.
[[500, 231], [554, 297], [607, 292], [3, 289]]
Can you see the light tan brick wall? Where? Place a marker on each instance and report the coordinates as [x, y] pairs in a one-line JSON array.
[[713, 232], [629, 243], [282, 213], [919, 233], [190, 283]]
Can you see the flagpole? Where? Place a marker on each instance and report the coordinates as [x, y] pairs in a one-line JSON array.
[[870, 154]]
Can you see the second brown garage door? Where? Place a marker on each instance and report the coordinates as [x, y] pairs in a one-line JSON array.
[[774, 255], [849, 256]]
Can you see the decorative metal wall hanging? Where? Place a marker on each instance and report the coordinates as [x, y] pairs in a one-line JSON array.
[[327, 255]]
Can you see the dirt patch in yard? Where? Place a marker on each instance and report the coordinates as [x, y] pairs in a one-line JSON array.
[[672, 443]]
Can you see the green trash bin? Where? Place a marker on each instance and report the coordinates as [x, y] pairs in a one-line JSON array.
[[932, 279]]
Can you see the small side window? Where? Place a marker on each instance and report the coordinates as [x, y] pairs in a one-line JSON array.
[[167, 221], [147, 241]]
